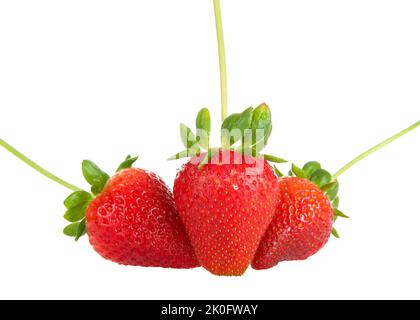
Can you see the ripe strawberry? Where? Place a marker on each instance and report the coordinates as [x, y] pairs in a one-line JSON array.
[[226, 208], [132, 220], [304, 218], [301, 226]]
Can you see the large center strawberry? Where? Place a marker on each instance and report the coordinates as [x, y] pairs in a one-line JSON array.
[[226, 208]]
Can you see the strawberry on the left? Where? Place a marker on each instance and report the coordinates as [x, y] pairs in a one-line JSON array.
[[133, 221]]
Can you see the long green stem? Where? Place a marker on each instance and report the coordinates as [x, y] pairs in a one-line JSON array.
[[375, 148], [222, 58], [35, 166]]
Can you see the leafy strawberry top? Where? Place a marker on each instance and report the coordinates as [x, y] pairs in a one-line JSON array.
[[247, 132], [78, 201]]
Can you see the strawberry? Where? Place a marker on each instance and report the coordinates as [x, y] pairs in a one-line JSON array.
[[301, 226], [304, 217], [227, 196], [226, 209], [132, 220]]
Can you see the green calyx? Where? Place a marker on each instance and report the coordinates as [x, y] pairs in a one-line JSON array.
[[94, 176], [313, 172], [127, 163], [78, 201], [252, 128], [195, 143], [246, 132]]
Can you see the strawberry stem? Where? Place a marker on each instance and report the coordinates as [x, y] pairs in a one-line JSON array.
[[222, 58], [37, 167], [375, 148]]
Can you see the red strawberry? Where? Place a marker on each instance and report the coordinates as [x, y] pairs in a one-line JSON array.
[[132, 220], [301, 226], [226, 208]]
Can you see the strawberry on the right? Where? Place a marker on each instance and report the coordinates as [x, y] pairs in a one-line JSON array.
[[305, 213]]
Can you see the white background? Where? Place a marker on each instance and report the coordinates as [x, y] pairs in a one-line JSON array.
[[100, 79]]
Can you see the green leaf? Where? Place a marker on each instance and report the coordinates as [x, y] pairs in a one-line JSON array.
[[76, 214], [278, 172], [81, 229], [321, 177], [329, 186], [127, 163], [184, 154], [77, 198], [335, 233], [333, 190], [203, 125], [230, 122], [227, 125], [99, 185], [335, 203], [71, 229], [94, 176], [187, 136], [260, 130], [91, 171], [338, 213], [267, 133], [310, 167], [244, 120], [274, 159], [298, 171], [75, 230], [207, 158], [236, 121]]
